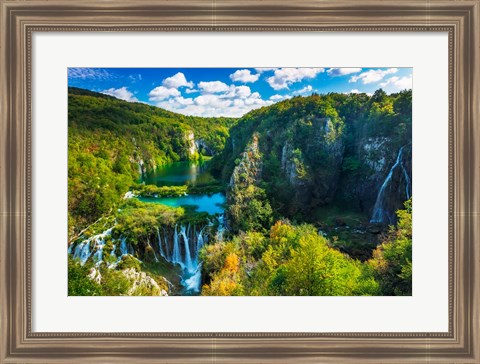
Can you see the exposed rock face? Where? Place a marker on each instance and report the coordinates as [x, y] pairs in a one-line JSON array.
[[371, 159], [292, 166], [247, 203], [395, 189], [192, 147], [249, 169], [141, 282], [203, 147], [376, 157], [95, 275], [311, 156], [329, 149], [374, 153], [312, 167], [316, 182]]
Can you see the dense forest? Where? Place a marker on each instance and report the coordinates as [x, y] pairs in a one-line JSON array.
[[111, 143], [308, 196]]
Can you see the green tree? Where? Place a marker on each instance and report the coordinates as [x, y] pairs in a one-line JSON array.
[[392, 260]]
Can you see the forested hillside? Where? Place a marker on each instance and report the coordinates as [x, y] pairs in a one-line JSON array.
[[308, 196], [319, 151], [111, 143]]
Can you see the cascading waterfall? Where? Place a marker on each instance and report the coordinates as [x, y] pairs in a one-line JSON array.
[[183, 250], [167, 248], [407, 180], [176, 249], [112, 253], [93, 248], [123, 246], [188, 256], [221, 228], [186, 244], [381, 213], [154, 254], [84, 250], [160, 245], [200, 244]]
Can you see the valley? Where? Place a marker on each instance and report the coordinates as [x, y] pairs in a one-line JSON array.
[[308, 196]]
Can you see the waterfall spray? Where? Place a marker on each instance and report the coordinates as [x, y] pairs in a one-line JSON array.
[[381, 213]]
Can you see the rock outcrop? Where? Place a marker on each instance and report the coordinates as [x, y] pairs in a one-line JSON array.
[[142, 283], [311, 157]]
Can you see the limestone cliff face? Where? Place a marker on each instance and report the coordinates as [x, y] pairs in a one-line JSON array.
[[314, 179], [311, 155], [249, 168], [191, 145], [141, 282], [203, 147], [317, 170], [375, 158], [247, 204]]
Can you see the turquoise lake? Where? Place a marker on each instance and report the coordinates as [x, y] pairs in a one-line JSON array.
[[182, 173], [179, 173], [213, 203]]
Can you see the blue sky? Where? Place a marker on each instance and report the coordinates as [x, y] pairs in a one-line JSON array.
[[232, 91]]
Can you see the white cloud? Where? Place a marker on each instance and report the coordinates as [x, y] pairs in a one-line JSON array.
[[175, 103], [304, 90], [372, 76], [342, 71], [176, 81], [183, 101], [216, 99], [354, 91], [261, 70], [284, 77], [213, 86], [161, 93], [213, 101], [120, 93], [88, 73], [276, 97], [357, 91], [400, 83], [234, 103], [244, 76], [215, 105], [237, 92], [191, 90], [135, 78]]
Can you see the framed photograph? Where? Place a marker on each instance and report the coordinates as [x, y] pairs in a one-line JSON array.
[[239, 181]]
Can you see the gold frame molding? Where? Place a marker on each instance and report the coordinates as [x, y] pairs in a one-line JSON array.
[[20, 19]]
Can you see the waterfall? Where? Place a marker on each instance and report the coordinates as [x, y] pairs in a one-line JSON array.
[[154, 254], [182, 248], [381, 212], [407, 184], [184, 244], [167, 249], [176, 258], [195, 280], [84, 250], [160, 246], [200, 243], [188, 257], [221, 228], [123, 246]]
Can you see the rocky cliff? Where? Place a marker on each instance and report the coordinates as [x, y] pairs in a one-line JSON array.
[[314, 155]]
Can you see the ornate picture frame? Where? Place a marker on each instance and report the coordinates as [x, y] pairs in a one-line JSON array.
[[20, 19]]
